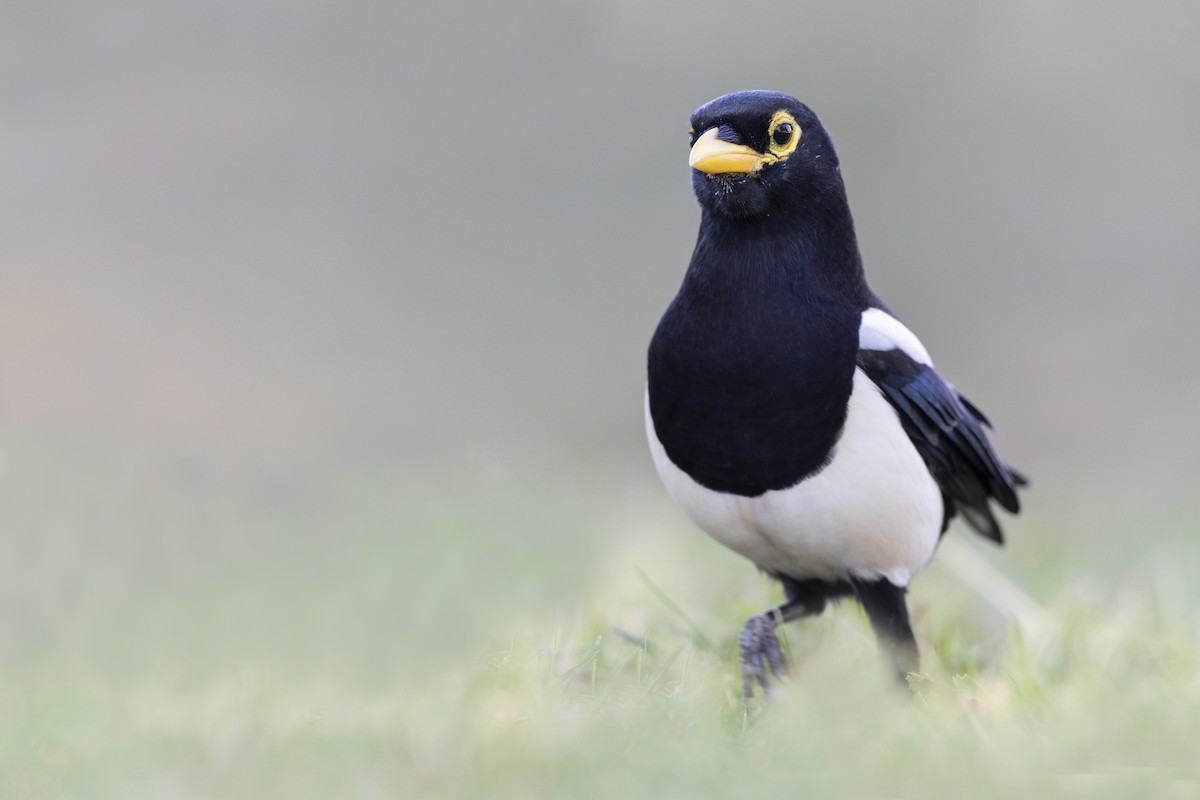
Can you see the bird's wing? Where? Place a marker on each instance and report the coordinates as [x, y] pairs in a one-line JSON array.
[[945, 427]]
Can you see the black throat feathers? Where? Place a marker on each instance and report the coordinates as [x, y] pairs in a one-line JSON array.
[[752, 365]]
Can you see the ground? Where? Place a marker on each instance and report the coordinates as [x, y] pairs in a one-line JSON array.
[[468, 638]]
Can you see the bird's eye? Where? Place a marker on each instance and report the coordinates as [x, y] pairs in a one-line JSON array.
[[782, 134]]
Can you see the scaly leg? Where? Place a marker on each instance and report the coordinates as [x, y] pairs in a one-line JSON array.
[[762, 657]]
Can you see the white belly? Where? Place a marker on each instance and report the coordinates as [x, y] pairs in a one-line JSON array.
[[874, 511]]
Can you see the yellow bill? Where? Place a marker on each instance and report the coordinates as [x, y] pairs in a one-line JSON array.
[[714, 156]]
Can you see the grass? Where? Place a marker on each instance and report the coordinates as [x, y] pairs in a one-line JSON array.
[[458, 639]]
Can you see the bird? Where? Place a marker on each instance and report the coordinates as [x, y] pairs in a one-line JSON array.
[[790, 414]]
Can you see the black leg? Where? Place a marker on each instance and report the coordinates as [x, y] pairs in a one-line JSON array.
[[888, 613], [762, 657]]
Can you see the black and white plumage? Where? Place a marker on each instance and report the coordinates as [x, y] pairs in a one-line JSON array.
[[790, 414]]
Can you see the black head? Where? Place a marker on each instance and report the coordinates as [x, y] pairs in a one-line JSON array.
[[760, 153]]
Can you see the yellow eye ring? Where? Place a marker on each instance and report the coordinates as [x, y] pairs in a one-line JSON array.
[[783, 134]]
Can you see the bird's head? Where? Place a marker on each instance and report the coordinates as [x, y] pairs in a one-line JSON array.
[[760, 153]]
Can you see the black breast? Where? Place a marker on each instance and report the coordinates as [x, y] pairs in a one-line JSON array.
[[749, 381]]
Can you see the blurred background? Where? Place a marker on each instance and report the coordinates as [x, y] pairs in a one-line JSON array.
[[322, 324]]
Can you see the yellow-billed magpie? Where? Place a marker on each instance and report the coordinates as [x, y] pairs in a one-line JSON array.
[[790, 414]]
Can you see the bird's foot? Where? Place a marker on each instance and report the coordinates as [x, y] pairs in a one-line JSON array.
[[762, 657]]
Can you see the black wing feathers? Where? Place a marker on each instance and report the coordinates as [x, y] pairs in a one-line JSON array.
[[946, 429]]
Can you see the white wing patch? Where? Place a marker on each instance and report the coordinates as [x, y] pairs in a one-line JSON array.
[[879, 330]]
